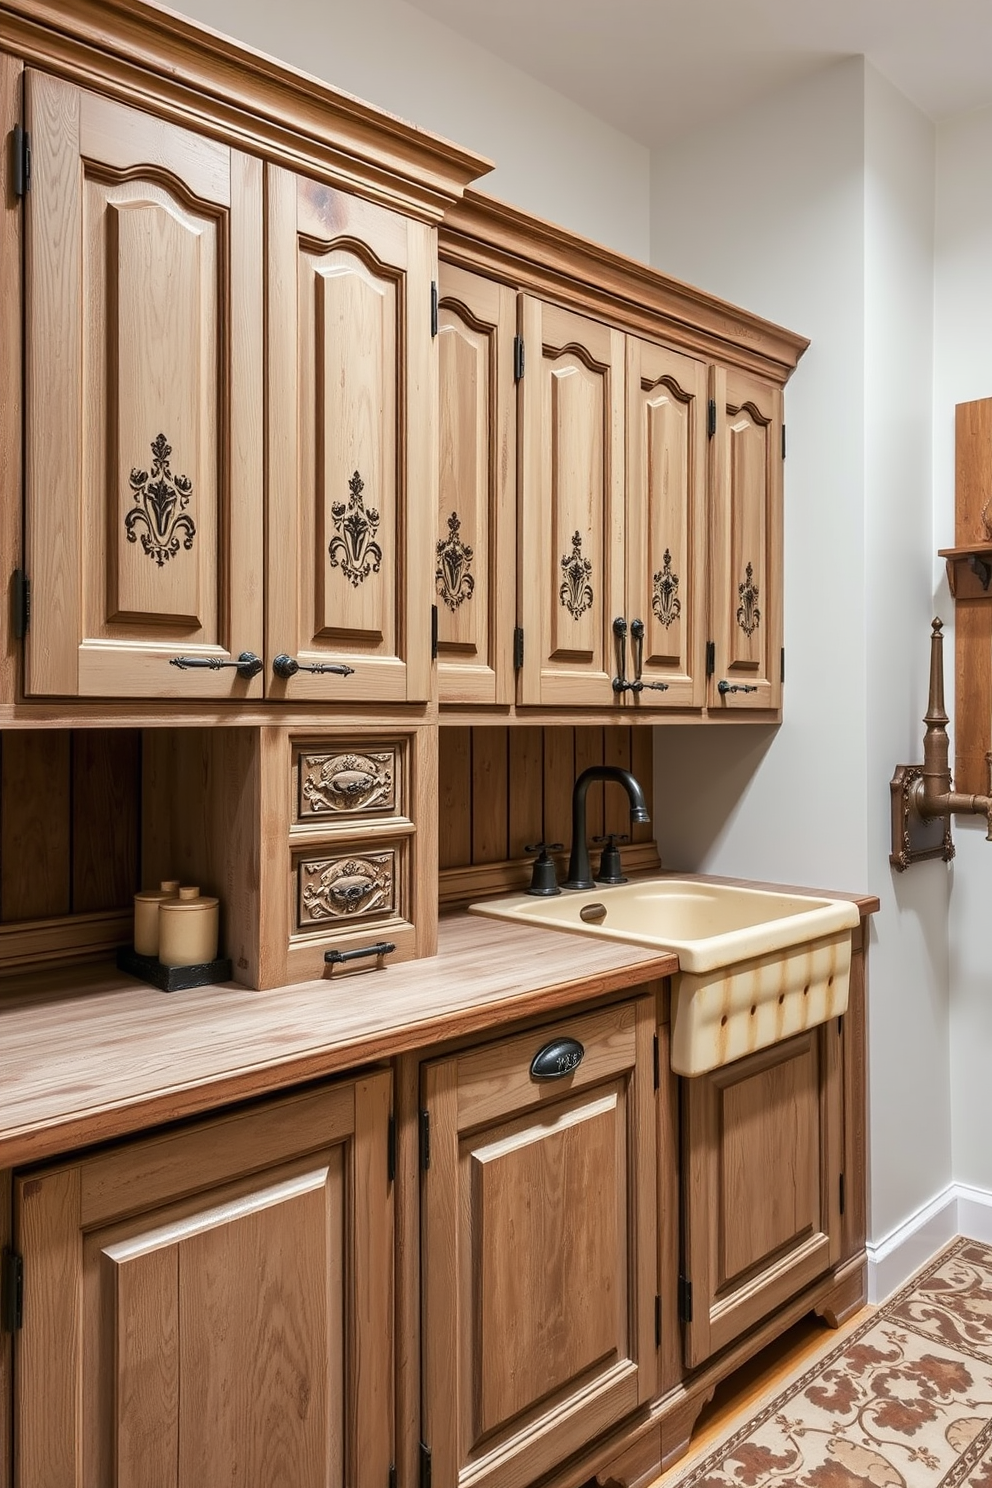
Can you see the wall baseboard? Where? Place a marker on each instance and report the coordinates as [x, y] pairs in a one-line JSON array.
[[958, 1210]]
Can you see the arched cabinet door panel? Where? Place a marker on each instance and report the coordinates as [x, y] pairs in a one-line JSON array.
[[351, 388], [143, 333], [665, 522], [746, 553], [571, 539], [473, 557]]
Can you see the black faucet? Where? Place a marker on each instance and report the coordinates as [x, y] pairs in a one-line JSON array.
[[579, 871]]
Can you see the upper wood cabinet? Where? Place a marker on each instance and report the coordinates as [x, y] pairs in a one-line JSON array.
[[571, 532], [538, 1219], [351, 464], [143, 334], [474, 551], [746, 550], [665, 522], [214, 1304]]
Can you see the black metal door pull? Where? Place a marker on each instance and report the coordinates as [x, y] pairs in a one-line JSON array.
[[248, 665], [287, 666]]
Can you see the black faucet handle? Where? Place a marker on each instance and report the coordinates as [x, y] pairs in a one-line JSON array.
[[544, 878], [610, 865]]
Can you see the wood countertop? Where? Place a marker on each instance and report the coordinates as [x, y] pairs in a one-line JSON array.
[[91, 1055], [88, 1054]]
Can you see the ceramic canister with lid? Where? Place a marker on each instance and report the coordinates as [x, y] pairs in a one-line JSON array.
[[146, 905], [187, 933]]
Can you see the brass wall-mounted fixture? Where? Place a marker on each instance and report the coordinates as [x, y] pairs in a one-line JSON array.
[[922, 800]]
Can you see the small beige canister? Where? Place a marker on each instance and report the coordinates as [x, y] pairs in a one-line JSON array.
[[187, 928], [146, 905]]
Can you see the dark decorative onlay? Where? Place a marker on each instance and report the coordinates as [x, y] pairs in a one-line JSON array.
[[354, 546], [748, 614], [346, 888], [452, 578], [576, 591], [666, 603], [161, 501], [340, 784]]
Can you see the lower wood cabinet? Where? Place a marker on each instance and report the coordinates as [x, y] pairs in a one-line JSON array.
[[213, 1305], [538, 1215], [762, 1164]]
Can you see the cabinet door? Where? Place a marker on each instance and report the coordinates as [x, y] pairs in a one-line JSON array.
[[143, 402], [214, 1305], [665, 527], [571, 507], [352, 463], [538, 1230], [762, 1161], [746, 552], [474, 581]]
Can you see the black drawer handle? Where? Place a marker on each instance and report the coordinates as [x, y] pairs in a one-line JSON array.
[[557, 1059], [380, 949], [724, 687]]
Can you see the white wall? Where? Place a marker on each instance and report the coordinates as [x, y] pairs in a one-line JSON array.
[[909, 1074], [964, 372], [767, 208], [815, 208], [552, 157]]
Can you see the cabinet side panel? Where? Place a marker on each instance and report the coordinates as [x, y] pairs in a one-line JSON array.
[[6, 1345], [11, 389], [372, 1357], [52, 329], [48, 1428], [854, 1223]]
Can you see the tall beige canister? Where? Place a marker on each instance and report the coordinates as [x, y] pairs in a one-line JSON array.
[[146, 906], [187, 929]]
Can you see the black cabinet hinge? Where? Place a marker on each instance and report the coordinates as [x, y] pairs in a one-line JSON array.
[[392, 1475], [657, 1322], [685, 1300], [434, 321], [20, 592], [425, 1140], [783, 441], [657, 1069], [711, 418], [433, 632], [425, 1465], [391, 1147], [518, 358], [20, 142], [783, 664], [518, 648], [11, 1292], [843, 1195], [710, 658]]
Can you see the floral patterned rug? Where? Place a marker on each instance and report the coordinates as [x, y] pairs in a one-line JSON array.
[[904, 1402]]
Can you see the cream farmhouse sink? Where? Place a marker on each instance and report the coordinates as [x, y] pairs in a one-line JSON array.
[[755, 966]]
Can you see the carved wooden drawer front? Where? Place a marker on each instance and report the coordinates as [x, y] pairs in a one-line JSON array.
[[337, 889], [341, 783]]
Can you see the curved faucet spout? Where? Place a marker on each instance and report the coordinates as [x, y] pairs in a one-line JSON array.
[[579, 870]]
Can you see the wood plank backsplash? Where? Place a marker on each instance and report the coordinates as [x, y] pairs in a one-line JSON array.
[[69, 822], [500, 789]]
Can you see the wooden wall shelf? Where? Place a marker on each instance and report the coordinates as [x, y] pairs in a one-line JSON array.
[[969, 575]]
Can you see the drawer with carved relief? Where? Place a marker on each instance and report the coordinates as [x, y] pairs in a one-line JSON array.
[[343, 782], [339, 889]]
